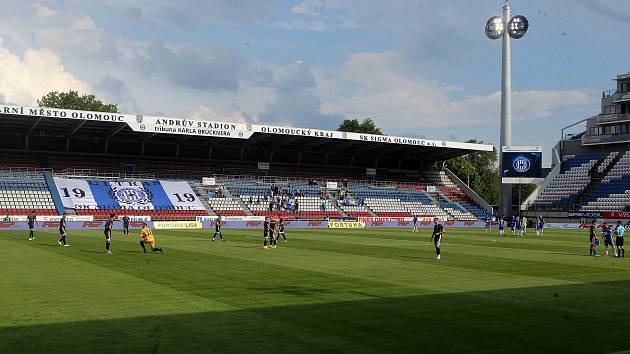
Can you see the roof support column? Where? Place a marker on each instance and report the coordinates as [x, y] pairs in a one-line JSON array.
[[352, 161], [299, 157], [210, 152], [326, 160], [106, 145], [271, 155], [177, 150], [26, 141]]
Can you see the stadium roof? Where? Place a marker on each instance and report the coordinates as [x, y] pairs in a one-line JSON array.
[[70, 124]]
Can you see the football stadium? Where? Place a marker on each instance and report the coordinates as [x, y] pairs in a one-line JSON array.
[[146, 233]]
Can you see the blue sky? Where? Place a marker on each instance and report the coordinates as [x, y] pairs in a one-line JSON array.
[[418, 68]]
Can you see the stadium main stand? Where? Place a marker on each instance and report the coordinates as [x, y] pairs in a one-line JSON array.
[[105, 163], [591, 171]]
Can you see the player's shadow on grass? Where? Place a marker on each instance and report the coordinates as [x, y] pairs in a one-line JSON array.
[[91, 251], [548, 319], [416, 257]]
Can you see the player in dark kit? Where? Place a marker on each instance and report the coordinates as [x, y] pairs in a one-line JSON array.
[[436, 237], [125, 220], [272, 234], [109, 224], [266, 232], [415, 223], [63, 231], [281, 230], [217, 229], [592, 251], [31, 219]]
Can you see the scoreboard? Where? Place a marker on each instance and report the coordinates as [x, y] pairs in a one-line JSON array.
[[521, 164]]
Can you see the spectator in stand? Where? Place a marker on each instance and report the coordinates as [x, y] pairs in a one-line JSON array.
[[250, 200], [297, 206], [271, 206], [258, 200]]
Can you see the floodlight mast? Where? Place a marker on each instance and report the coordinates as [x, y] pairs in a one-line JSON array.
[[508, 28], [505, 192]]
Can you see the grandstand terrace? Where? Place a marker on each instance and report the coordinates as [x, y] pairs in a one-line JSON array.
[[258, 170], [590, 176]]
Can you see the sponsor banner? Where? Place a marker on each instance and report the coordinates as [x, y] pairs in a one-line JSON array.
[[431, 189], [396, 219], [242, 218], [617, 215], [582, 214], [565, 226], [204, 218], [331, 185], [137, 218], [177, 224], [336, 224], [183, 126], [263, 166], [97, 225]]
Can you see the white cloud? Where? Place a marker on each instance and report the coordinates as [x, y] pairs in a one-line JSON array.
[[24, 80], [376, 85], [204, 112], [43, 11]]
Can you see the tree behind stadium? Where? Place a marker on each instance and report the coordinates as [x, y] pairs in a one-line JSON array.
[[480, 171], [354, 126], [72, 100]]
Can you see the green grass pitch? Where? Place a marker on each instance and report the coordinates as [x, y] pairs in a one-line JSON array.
[[344, 291]]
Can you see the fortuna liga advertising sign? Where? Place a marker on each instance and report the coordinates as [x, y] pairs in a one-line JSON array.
[[183, 126]]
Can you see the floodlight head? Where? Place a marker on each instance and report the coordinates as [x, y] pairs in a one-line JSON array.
[[517, 26], [495, 27]]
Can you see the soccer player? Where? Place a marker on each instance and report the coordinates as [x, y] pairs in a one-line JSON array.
[[125, 220], [488, 223], [436, 237], [63, 231], [272, 233], [501, 227], [147, 238], [540, 226], [523, 226], [415, 223], [514, 225], [266, 232], [620, 230], [281, 230], [217, 229], [607, 236], [109, 225], [592, 251], [31, 219]]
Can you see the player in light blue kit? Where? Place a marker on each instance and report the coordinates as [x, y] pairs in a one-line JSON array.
[[501, 227], [620, 230]]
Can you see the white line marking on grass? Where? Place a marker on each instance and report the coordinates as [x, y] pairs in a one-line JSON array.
[[622, 352]]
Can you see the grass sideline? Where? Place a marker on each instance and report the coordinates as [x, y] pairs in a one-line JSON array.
[[345, 291]]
